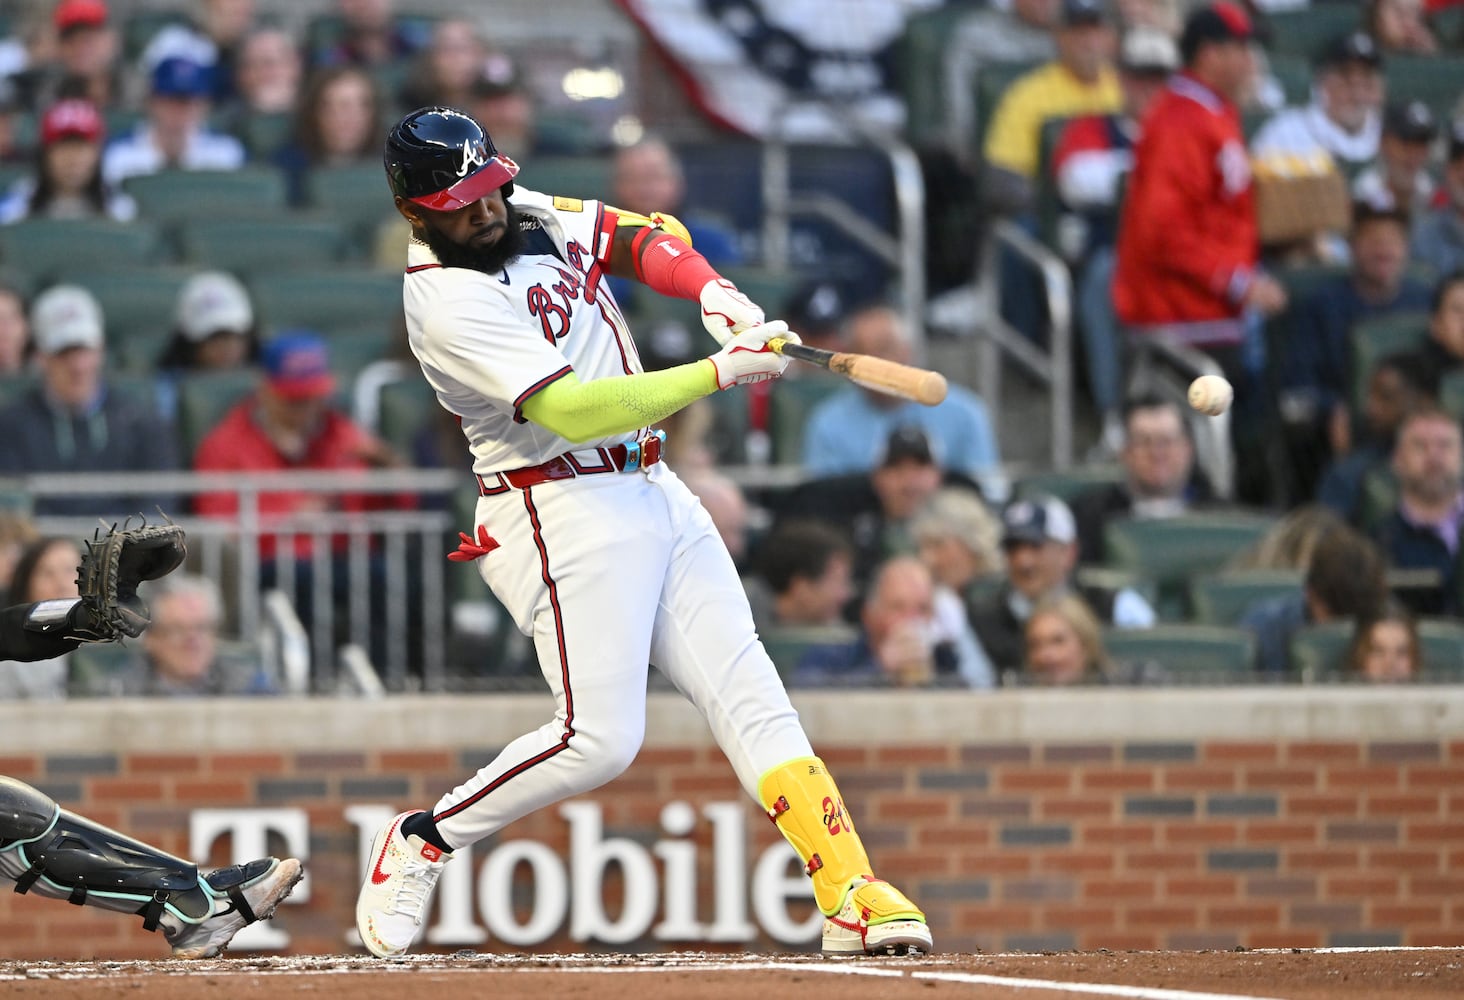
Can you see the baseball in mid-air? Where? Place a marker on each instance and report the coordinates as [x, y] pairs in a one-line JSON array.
[[1211, 394]]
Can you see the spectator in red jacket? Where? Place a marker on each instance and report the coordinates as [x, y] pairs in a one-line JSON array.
[[290, 423], [1188, 245]]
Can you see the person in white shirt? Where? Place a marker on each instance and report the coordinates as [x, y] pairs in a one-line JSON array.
[[1344, 118], [174, 136]]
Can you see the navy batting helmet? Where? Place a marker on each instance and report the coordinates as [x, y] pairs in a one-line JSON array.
[[441, 159]]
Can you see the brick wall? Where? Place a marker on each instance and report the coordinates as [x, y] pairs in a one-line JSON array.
[[1042, 843]]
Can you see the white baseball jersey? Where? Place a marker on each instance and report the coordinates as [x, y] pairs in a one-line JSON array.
[[487, 342], [606, 572]]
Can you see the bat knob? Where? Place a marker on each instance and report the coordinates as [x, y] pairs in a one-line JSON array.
[[931, 389]]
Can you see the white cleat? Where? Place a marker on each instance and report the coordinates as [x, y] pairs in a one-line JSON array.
[[242, 894], [397, 889], [876, 919]]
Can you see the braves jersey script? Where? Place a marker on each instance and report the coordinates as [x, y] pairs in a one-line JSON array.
[[487, 342]]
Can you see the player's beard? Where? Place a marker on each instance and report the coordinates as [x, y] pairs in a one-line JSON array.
[[490, 259]]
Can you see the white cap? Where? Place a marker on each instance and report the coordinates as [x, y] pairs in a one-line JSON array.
[[1148, 50], [66, 316], [212, 302]]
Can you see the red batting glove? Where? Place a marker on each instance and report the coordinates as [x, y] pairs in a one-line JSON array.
[[468, 550]]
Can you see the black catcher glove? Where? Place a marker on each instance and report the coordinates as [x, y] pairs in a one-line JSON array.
[[113, 566]]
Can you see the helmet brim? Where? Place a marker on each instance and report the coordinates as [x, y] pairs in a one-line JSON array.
[[496, 173]]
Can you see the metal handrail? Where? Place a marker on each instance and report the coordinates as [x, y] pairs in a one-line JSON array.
[[229, 546], [780, 203], [997, 340]]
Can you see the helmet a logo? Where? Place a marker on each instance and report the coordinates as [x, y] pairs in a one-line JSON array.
[[475, 154]]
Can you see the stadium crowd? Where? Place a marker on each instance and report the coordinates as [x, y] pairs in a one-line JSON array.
[[166, 177]]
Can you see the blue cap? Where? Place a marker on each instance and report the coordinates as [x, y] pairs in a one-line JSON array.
[[176, 76], [297, 365]]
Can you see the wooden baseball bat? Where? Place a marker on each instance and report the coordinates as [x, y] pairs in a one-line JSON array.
[[923, 386]]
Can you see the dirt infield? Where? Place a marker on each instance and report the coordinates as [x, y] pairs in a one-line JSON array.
[[1413, 974]]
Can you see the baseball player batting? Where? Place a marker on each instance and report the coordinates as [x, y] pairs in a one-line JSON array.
[[594, 546], [53, 852]]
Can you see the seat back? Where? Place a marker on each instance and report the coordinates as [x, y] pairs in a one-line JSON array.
[[139, 307], [1188, 654], [203, 399], [329, 298], [1374, 339], [789, 405], [1066, 483], [173, 197], [787, 645], [357, 197], [251, 246], [43, 248], [1221, 599], [1170, 550]]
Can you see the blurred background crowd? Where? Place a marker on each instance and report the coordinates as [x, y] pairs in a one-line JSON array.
[[1071, 207]]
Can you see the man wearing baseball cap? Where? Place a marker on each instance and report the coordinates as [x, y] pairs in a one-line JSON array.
[[86, 62], [1438, 237], [1344, 118], [74, 421], [175, 134], [1040, 543], [1188, 244], [1400, 179], [289, 423], [1092, 158]]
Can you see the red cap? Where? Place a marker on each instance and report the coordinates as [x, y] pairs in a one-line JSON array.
[[73, 118], [494, 174], [79, 13]]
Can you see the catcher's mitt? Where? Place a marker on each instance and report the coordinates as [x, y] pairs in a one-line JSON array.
[[115, 563]]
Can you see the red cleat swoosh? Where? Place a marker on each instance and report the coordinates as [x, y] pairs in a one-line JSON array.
[[377, 875]]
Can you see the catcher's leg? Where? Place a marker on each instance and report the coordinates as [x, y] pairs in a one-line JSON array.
[[863, 914], [52, 852]]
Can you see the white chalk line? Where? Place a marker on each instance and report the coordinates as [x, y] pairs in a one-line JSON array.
[[974, 979]]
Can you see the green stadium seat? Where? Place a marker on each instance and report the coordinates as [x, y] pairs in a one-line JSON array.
[[1189, 654], [139, 27], [1434, 80], [992, 81], [787, 645], [403, 409], [254, 246], [1379, 497], [1451, 393], [173, 197], [357, 197], [327, 298], [919, 57], [1317, 651], [1441, 642], [203, 399], [727, 436], [789, 405], [1294, 74], [265, 134], [354, 347], [94, 669], [1222, 598], [569, 176], [1171, 550], [42, 248], [13, 386], [1374, 339], [1307, 30], [1065, 484]]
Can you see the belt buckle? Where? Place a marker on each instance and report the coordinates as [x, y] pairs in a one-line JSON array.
[[653, 442], [632, 456]]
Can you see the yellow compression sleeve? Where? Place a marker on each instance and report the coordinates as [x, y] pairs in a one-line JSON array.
[[580, 411]]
